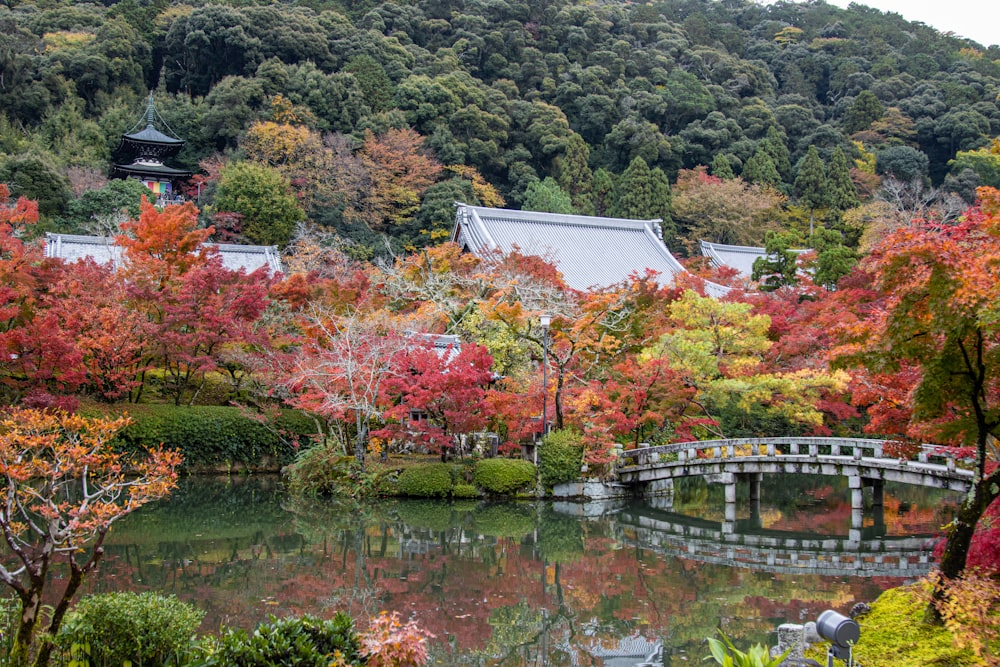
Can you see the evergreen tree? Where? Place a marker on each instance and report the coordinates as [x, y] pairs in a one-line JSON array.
[[811, 184], [834, 260], [760, 169], [546, 196], [774, 145], [643, 194], [864, 110], [603, 194], [572, 172], [778, 267], [843, 194], [722, 167]]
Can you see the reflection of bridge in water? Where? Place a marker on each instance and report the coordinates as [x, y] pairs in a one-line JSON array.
[[865, 552]]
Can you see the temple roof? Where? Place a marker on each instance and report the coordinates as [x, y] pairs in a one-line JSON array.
[[739, 257], [73, 247], [155, 169], [588, 251]]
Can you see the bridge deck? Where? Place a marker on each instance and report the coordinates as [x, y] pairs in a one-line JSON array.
[[934, 466]]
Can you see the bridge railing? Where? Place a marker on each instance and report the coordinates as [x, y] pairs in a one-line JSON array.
[[855, 448]]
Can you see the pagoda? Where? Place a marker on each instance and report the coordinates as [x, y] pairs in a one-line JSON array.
[[141, 155]]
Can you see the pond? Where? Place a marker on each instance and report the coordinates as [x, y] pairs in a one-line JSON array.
[[530, 583]]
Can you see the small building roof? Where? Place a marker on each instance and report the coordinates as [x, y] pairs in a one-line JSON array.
[[588, 251], [739, 257], [73, 247]]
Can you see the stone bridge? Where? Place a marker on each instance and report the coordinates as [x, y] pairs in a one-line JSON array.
[[866, 463]]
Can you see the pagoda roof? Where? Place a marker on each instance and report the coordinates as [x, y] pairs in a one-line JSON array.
[[589, 252], [152, 136], [157, 169], [104, 250]]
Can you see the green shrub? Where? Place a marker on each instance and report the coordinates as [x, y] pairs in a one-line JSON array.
[[560, 457], [217, 435], [427, 480], [291, 642], [463, 490], [144, 629], [503, 475]]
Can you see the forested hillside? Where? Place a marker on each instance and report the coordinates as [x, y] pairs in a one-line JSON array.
[[370, 119]]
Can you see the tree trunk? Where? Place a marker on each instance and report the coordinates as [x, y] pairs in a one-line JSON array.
[[359, 445], [956, 550], [979, 499]]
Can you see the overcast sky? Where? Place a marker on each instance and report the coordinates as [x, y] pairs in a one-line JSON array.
[[974, 19]]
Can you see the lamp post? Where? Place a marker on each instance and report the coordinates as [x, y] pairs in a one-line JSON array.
[[544, 321]]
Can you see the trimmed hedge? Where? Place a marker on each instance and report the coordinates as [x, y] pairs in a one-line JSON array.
[[144, 629], [428, 480], [214, 436], [560, 457], [503, 475]]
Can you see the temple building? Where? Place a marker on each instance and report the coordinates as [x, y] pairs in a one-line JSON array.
[[104, 250], [589, 252], [141, 154], [737, 257]]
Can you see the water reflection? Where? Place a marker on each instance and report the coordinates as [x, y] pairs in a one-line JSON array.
[[528, 583]]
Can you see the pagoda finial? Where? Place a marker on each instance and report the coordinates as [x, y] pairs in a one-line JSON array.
[[149, 111]]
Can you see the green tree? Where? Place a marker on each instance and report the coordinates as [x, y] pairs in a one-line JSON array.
[[642, 194], [778, 268], [572, 172], [903, 163], [98, 211], [760, 169], [811, 185], [984, 161], [547, 196], [863, 111], [775, 146], [843, 193], [263, 198], [36, 176], [834, 260], [722, 167]]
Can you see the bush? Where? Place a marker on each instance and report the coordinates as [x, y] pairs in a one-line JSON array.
[[560, 457], [464, 491], [217, 435], [291, 642], [138, 628], [428, 480], [503, 475]]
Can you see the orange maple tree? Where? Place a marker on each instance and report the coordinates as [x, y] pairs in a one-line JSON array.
[[939, 324], [63, 487]]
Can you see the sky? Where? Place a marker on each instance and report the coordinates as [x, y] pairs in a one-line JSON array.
[[974, 19]]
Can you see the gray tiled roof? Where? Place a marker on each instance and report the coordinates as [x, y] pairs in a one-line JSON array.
[[73, 247], [588, 251], [739, 257], [152, 135]]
